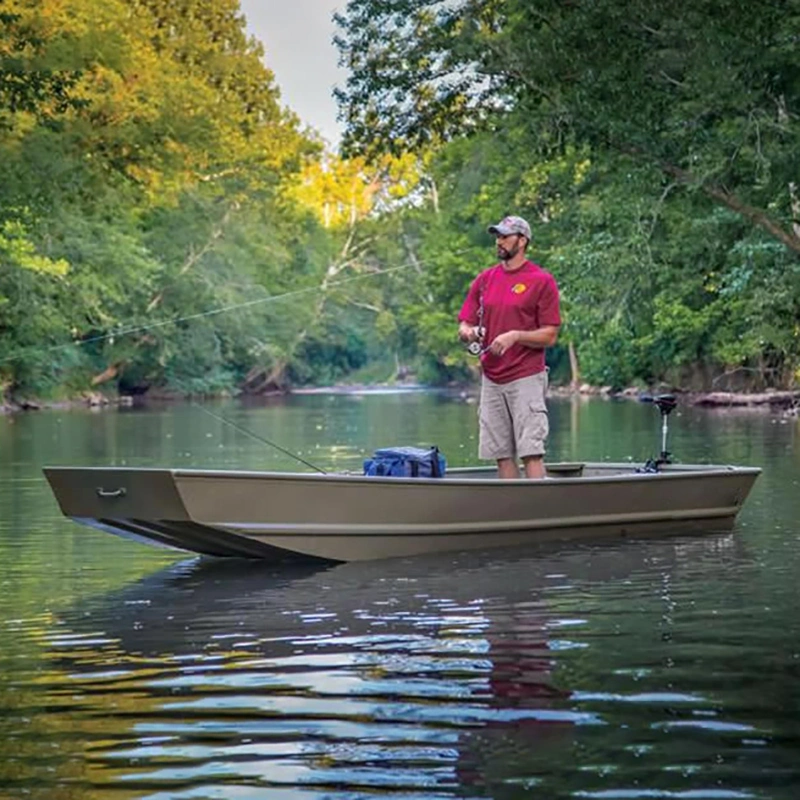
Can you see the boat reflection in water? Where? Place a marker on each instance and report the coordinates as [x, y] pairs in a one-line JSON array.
[[484, 672]]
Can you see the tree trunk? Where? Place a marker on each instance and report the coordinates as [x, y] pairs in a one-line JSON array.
[[107, 374], [795, 198], [260, 380], [574, 368]]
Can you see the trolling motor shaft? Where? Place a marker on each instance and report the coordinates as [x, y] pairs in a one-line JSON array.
[[665, 403]]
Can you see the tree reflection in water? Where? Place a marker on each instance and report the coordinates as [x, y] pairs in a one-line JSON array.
[[468, 675]]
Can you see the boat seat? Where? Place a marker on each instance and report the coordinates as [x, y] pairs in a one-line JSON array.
[[572, 470]]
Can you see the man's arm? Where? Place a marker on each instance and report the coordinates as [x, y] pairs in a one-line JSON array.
[[538, 339], [468, 316], [468, 332], [546, 336]]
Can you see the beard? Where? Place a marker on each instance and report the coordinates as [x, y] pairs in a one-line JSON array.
[[507, 253]]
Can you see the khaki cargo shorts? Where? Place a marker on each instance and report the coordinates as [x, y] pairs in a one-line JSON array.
[[513, 418]]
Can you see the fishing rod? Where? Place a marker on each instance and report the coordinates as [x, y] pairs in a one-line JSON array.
[[478, 348], [258, 438]]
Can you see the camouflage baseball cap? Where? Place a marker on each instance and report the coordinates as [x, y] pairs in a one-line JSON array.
[[509, 225]]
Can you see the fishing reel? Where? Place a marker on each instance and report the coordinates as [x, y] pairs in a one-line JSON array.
[[476, 348]]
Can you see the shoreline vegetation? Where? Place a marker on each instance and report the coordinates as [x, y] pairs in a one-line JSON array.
[[784, 401], [169, 229]]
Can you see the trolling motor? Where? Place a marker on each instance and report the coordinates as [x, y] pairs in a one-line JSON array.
[[666, 403]]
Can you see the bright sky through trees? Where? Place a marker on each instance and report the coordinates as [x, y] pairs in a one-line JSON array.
[[297, 38]]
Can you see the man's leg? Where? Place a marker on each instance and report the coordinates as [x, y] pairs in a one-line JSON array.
[[527, 401], [507, 468], [496, 440], [534, 466]]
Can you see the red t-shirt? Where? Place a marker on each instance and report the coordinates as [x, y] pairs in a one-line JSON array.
[[522, 300]]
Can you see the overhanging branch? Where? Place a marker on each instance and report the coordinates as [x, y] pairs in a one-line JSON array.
[[731, 201]]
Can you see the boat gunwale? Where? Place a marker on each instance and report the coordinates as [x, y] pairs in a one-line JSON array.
[[672, 472]]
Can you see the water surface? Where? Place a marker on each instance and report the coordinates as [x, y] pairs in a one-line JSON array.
[[666, 667]]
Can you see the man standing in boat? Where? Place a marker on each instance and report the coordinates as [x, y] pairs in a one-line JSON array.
[[511, 314]]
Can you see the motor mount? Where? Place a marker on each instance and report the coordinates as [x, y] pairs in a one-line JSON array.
[[665, 403]]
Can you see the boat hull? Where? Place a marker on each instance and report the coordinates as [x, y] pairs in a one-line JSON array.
[[278, 516]]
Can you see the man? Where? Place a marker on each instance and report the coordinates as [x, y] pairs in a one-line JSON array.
[[512, 310]]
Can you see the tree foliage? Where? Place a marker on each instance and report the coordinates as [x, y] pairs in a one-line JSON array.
[[165, 225], [144, 155], [652, 144], [708, 95]]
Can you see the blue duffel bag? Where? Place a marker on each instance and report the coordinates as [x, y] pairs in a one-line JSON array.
[[406, 462]]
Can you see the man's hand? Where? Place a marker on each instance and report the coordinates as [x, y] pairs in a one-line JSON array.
[[468, 333], [503, 342]]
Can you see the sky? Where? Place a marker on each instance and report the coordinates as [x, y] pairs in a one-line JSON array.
[[297, 37]]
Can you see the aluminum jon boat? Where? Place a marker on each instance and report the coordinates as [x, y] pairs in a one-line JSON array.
[[275, 515], [283, 516]]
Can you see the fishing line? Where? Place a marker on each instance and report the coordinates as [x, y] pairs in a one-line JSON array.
[[262, 439], [201, 314]]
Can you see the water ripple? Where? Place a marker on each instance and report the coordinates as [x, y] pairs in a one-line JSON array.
[[223, 682]]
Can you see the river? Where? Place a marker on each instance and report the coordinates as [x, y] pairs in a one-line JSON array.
[[666, 668]]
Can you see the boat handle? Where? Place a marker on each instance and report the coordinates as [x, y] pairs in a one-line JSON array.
[[101, 492]]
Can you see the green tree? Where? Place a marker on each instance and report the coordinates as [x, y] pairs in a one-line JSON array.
[[138, 143], [652, 145], [707, 94]]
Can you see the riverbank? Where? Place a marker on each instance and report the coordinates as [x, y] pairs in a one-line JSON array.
[[94, 400], [772, 400]]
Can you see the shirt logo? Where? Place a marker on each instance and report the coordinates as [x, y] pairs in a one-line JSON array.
[[518, 288]]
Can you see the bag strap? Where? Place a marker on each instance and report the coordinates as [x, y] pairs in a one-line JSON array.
[[435, 471]]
